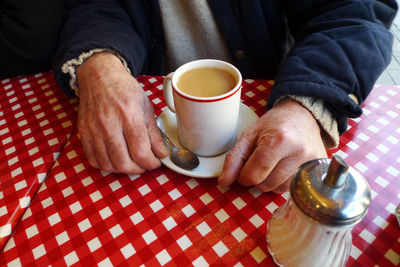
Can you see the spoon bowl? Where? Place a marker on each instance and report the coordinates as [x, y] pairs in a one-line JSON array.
[[181, 157]]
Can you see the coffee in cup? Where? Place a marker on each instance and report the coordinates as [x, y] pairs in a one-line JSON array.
[[205, 96], [206, 82]]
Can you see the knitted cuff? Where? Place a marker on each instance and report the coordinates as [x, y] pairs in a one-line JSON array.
[[71, 65]]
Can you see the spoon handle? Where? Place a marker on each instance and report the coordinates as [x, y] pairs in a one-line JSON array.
[[166, 139]]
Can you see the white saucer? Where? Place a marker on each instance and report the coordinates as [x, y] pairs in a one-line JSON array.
[[209, 167]]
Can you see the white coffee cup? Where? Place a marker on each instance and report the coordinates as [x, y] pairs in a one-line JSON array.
[[206, 125]]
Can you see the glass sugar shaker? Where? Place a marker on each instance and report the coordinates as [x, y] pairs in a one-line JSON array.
[[313, 228]]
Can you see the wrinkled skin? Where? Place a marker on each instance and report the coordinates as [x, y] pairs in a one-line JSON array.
[[116, 119], [269, 152], [119, 133]]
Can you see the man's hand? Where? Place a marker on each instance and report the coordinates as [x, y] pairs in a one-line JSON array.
[[116, 119], [269, 152]]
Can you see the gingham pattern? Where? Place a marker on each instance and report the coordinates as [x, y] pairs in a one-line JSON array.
[[35, 121], [83, 216], [371, 144]]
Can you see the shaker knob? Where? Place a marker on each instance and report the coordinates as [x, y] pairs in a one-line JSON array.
[[337, 172]]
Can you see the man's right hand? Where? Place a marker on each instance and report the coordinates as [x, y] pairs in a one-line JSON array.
[[116, 119]]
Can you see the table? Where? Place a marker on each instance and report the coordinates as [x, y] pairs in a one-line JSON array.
[[35, 122], [57, 210]]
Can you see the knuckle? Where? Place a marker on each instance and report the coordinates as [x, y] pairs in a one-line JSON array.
[[262, 175], [232, 155], [92, 162], [263, 188], [285, 136], [303, 152], [128, 168], [105, 167], [139, 156], [138, 129], [253, 178], [238, 151], [147, 161], [266, 186]]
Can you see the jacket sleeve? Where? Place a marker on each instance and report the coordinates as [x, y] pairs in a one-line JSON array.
[[341, 48], [92, 24]]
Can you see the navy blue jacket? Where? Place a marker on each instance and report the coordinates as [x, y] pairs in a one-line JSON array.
[[324, 49]]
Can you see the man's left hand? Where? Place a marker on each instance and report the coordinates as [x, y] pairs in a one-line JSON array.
[[269, 152]]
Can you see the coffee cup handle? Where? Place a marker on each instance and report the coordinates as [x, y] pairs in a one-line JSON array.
[[167, 91]]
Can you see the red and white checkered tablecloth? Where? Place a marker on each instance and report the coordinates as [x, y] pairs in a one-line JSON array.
[[35, 122], [371, 144], [84, 216]]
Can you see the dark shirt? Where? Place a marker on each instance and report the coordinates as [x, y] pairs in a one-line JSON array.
[[323, 49], [28, 35]]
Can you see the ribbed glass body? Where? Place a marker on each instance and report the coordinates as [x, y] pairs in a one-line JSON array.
[[296, 240]]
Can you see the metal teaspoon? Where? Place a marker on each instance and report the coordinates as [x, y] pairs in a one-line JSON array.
[[179, 156]]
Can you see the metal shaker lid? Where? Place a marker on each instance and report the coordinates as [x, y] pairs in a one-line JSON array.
[[331, 192]]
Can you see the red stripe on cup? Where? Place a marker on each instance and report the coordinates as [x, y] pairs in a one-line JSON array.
[[206, 99]]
